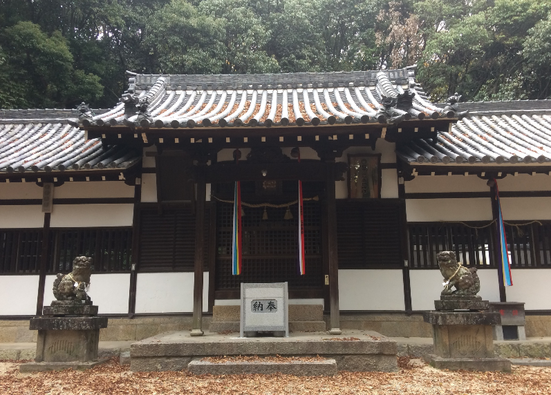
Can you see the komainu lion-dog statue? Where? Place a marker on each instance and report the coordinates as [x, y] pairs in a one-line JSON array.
[[464, 280], [73, 286]]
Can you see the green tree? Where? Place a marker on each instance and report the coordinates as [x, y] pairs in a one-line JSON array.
[[181, 40], [481, 56], [246, 36], [38, 70]]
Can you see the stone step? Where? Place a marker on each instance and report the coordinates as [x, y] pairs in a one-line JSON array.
[[365, 351], [296, 367]]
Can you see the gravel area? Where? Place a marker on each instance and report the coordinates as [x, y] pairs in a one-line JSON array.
[[414, 377]]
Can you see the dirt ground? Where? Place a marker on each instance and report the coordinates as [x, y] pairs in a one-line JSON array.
[[414, 377]]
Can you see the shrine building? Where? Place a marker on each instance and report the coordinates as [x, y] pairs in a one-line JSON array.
[[345, 185]]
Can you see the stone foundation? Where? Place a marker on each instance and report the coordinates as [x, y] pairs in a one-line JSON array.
[[138, 328]]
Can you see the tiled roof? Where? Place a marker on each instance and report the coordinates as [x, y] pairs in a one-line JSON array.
[[278, 100], [39, 141], [493, 133]]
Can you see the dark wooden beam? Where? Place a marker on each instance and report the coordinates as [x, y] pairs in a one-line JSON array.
[[197, 326], [44, 255], [496, 242], [332, 248], [404, 247], [136, 234]]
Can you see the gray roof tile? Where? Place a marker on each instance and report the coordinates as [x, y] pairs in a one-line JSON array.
[[214, 101], [493, 133], [39, 141]]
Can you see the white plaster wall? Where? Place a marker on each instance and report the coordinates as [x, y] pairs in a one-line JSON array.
[[530, 286], [148, 161], [521, 209], [383, 147], [371, 290], [48, 285], [389, 183], [18, 295], [149, 188], [426, 286], [99, 189], [435, 184], [525, 182], [429, 210], [108, 291], [91, 215], [341, 189], [21, 217], [168, 292], [20, 190]]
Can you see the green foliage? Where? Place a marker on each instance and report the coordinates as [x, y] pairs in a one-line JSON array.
[[60, 52], [41, 68], [481, 55]]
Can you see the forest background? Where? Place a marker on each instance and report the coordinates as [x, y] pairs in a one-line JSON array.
[[57, 53]]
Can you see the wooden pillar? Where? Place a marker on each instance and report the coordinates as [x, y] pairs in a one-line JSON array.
[[136, 233], [496, 242], [332, 249], [47, 208], [201, 187], [404, 246], [44, 255]]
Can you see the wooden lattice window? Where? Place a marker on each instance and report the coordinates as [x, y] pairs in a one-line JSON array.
[[471, 242], [20, 251], [110, 248], [270, 247], [167, 241], [368, 234], [529, 244]]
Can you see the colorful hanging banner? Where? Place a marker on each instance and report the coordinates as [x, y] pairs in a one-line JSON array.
[[236, 242], [505, 264], [301, 249]]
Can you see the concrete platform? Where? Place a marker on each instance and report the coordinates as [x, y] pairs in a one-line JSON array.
[[327, 367], [357, 351]]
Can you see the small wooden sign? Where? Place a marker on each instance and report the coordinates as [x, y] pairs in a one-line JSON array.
[[47, 197]]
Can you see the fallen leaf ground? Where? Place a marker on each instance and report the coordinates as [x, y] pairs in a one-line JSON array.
[[414, 377]]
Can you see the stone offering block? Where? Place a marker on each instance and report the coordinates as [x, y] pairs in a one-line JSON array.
[[264, 308], [67, 323], [465, 340], [67, 339], [72, 309], [463, 302]]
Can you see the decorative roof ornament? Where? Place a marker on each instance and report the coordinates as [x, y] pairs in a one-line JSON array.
[[84, 111], [144, 118], [405, 100], [451, 110], [130, 101], [389, 113]]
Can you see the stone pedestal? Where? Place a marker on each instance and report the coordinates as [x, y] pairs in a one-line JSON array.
[[463, 339], [66, 340]]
